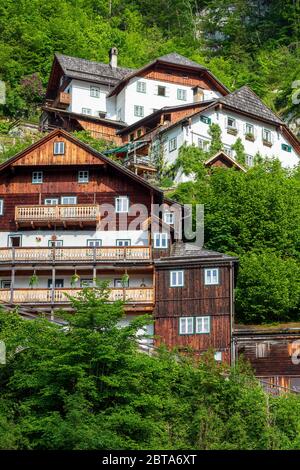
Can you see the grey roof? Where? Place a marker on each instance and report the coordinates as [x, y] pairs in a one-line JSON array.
[[245, 100], [97, 72], [189, 250], [174, 58]]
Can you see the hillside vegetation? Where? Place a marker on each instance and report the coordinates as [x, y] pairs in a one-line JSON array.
[[243, 42]]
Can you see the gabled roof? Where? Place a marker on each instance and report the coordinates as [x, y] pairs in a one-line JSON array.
[[223, 156], [116, 166], [85, 117], [84, 69], [176, 60], [245, 100]]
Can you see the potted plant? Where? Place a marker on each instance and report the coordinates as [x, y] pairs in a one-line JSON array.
[[34, 280], [232, 130], [250, 136], [74, 279]]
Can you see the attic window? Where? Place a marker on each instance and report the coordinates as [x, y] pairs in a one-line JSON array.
[[95, 92], [59, 148]]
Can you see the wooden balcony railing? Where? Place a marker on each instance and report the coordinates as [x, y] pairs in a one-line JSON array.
[[61, 214], [69, 254], [144, 295]]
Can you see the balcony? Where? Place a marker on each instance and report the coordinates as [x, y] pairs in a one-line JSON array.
[[63, 100], [141, 295], [72, 255], [65, 215]]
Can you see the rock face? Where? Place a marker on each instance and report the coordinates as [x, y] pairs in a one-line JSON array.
[[293, 121]]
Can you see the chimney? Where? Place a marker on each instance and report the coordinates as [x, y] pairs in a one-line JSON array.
[[113, 57]]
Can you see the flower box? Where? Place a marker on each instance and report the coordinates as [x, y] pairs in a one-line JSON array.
[[250, 137], [267, 143], [232, 131]]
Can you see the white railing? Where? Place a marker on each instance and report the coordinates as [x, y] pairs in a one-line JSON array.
[[80, 254], [37, 295]]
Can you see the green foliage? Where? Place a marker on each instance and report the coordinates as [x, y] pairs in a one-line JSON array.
[[86, 386], [240, 154], [98, 144], [190, 161], [215, 133]]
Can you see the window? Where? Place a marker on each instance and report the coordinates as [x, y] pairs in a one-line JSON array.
[[94, 243], [205, 119], [176, 278], [186, 325], [286, 148], [139, 111], [131, 137], [249, 160], [95, 92], [86, 283], [161, 90], [68, 200], [139, 133], [141, 87], [160, 240], [37, 177], [5, 284], [267, 136], [231, 123], [172, 144], [119, 114], [120, 283], [1, 206], [59, 283], [59, 148], [51, 201], [123, 242], [249, 129], [169, 218], [122, 204], [202, 325], [218, 356], [181, 94], [262, 349], [203, 144], [83, 176], [87, 111], [211, 276], [55, 243], [14, 240], [228, 150]]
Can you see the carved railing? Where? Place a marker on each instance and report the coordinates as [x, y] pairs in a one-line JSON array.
[[56, 214], [71, 254], [60, 295]]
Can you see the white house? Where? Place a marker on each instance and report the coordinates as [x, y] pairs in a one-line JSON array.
[[240, 114]]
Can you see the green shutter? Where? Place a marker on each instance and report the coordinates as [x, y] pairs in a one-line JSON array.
[[205, 119], [286, 147]]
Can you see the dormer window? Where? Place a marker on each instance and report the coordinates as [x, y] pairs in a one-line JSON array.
[[59, 148], [122, 204], [37, 177], [95, 92]]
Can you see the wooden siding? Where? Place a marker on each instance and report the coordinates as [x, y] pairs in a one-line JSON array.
[[167, 329], [184, 77], [101, 131], [195, 297]]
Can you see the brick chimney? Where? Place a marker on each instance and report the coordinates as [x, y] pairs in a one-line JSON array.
[[113, 57]]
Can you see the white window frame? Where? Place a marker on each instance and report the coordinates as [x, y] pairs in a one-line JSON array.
[[234, 126], [211, 279], [248, 124], [37, 177], [186, 326], [249, 160], [139, 111], [160, 240], [4, 282], [165, 88], [52, 203], [181, 94], [59, 148], [172, 144], [123, 242], [55, 243], [86, 283], [122, 204], [202, 325], [1, 206], [83, 176], [229, 151], [141, 86], [95, 92], [86, 111], [203, 144], [169, 218], [218, 356], [177, 278], [120, 283], [266, 132], [97, 242], [68, 203]]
